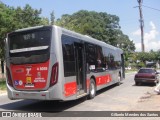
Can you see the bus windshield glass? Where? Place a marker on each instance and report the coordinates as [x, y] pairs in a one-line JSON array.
[[29, 41], [31, 44]]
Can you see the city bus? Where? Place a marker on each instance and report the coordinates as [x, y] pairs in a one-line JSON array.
[[53, 63]]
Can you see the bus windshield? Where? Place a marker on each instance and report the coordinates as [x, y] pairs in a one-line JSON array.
[[31, 44], [29, 41]]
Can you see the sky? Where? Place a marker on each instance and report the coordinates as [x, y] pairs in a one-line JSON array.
[[126, 10]]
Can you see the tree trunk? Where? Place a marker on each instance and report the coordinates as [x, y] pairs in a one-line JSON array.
[[2, 66]]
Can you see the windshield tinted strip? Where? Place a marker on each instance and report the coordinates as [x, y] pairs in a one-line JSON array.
[[29, 49]]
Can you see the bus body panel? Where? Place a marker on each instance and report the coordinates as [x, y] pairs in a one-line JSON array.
[[66, 87], [50, 94], [30, 76]]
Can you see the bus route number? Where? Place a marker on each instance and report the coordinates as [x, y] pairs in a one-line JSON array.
[[42, 68]]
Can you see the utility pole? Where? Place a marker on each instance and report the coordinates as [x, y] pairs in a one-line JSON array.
[[141, 24]]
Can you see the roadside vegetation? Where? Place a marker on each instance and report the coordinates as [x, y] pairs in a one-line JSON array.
[[138, 60], [2, 84]]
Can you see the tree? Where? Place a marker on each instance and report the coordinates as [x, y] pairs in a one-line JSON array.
[[44, 21], [16, 18], [102, 26], [5, 20], [26, 17], [52, 18], [158, 55]]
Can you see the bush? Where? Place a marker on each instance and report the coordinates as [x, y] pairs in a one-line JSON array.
[[2, 84], [140, 65]]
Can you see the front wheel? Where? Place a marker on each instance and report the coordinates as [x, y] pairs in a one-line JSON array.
[[92, 89]]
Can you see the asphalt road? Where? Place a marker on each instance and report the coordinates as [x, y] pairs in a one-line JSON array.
[[113, 98]]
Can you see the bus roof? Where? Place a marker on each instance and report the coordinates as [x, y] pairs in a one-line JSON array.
[[29, 28]]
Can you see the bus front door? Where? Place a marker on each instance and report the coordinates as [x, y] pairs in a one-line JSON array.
[[80, 68]]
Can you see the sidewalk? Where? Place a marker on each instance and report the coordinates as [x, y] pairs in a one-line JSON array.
[[150, 101]]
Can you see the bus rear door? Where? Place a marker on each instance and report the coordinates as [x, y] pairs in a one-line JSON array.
[[80, 68]]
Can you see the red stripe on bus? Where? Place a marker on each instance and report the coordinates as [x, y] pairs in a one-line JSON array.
[[88, 83], [101, 80], [70, 88]]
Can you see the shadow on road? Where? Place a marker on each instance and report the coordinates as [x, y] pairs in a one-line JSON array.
[[41, 106], [47, 106], [145, 85], [107, 88]]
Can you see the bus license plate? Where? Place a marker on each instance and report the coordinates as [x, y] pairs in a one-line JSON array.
[[29, 85]]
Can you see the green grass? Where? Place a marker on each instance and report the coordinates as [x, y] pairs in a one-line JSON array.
[[130, 71], [2, 84]]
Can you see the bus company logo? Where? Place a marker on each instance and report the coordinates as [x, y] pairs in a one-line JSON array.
[[28, 71], [19, 71], [6, 114], [38, 74]]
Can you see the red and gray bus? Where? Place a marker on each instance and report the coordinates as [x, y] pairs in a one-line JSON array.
[[52, 63]]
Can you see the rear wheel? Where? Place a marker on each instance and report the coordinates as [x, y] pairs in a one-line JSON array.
[[92, 89], [137, 83]]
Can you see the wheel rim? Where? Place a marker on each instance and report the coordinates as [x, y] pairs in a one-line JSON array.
[[119, 78], [92, 89]]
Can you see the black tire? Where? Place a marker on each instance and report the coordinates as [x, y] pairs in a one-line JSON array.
[[137, 83], [92, 89]]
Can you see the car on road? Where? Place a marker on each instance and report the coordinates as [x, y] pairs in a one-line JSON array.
[[146, 75]]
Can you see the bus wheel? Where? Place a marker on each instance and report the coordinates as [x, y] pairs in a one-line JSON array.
[[92, 89]]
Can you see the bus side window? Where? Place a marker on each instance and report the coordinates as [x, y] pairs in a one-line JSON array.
[[90, 57], [94, 58], [100, 61], [68, 55], [105, 58]]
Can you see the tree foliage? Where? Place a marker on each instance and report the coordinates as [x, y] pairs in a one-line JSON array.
[[142, 59], [102, 26], [147, 56], [26, 17], [52, 18], [5, 27], [16, 18]]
